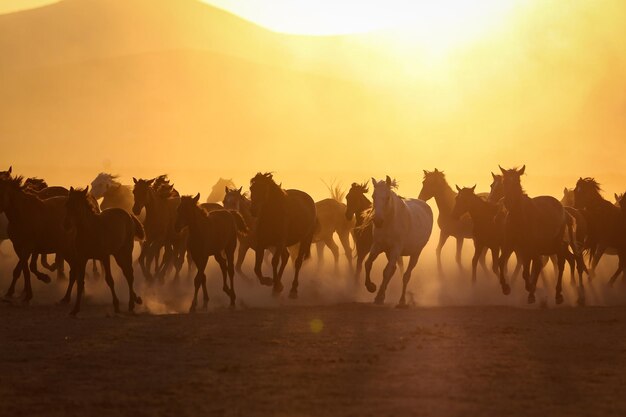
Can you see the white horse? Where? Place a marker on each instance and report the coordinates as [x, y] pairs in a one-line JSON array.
[[402, 227]]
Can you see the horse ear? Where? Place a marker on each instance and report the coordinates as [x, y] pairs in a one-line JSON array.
[[71, 189], [226, 190], [388, 180], [240, 189], [522, 169], [425, 172], [457, 188], [86, 190], [502, 170], [493, 175], [196, 198], [134, 180], [474, 188], [436, 170], [565, 190], [616, 197], [374, 181], [10, 169]]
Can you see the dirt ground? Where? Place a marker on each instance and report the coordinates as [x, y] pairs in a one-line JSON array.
[[349, 359]]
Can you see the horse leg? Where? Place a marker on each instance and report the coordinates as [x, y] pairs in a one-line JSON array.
[[230, 261], [108, 277], [80, 285], [284, 258], [319, 245], [305, 247], [16, 275], [494, 259], [620, 268], [478, 251], [278, 286], [125, 261], [371, 257], [406, 277], [224, 268], [483, 259], [344, 239], [258, 263], [388, 272], [28, 290], [197, 283], [68, 292], [596, 258], [537, 265], [443, 237], [506, 253], [45, 264], [359, 266], [330, 242], [33, 268], [241, 255], [190, 265], [59, 263], [459, 251], [571, 261], [558, 298]]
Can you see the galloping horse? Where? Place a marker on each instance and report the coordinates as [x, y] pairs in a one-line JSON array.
[[331, 215], [98, 235], [435, 185], [534, 227], [284, 218], [606, 223], [488, 227], [236, 199], [402, 227], [210, 234]]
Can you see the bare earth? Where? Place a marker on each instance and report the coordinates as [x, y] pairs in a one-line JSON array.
[[343, 360]]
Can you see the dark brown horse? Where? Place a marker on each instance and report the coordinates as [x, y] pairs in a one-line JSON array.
[[488, 227], [160, 205], [210, 234], [98, 236], [284, 218], [534, 227], [35, 227], [236, 199], [605, 220]]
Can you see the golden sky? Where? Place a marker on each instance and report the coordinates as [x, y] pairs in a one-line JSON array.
[[458, 85]]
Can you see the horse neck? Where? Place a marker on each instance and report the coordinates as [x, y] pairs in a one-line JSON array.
[[444, 197], [244, 209], [364, 204], [18, 208], [198, 218], [86, 224], [514, 201], [482, 210], [276, 202]]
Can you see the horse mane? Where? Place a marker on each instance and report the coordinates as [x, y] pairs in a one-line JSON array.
[[15, 183], [90, 203], [336, 192], [162, 179], [362, 188], [268, 178], [591, 183], [188, 199], [35, 183], [107, 176]]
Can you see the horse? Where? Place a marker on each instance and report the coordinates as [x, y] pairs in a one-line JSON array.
[[488, 230], [98, 235], [331, 215], [113, 193], [435, 186], [218, 190], [284, 218], [159, 225], [210, 234], [35, 227], [236, 199], [605, 220], [402, 227], [534, 227]]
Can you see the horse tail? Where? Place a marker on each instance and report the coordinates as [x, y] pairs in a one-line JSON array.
[[240, 223], [139, 232]]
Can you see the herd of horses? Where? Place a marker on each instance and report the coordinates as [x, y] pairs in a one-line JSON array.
[[107, 218]]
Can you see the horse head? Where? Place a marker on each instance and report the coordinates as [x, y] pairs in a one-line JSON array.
[[463, 201], [383, 192], [141, 193], [356, 200], [185, 211], [432, 184]]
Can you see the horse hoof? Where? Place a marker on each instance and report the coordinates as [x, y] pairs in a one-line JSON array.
[[192, 309], [278, 288], [402, 306], [63, 301], [559, 299], [73, 313], [44, 278], [371, 287], [506, 289], [379, 300], [581, 301], [267, 281], [293, 294], [531, 298], [138, 300]]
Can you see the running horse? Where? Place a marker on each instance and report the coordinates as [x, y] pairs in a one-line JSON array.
[[402, 227], [284, 218]]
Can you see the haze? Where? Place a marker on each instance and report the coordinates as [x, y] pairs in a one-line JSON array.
[[144, 87]]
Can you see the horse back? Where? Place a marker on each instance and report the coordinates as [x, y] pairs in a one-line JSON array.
[[301, 215], [421, 216]]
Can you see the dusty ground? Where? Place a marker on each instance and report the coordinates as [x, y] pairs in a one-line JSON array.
[[342, 360]]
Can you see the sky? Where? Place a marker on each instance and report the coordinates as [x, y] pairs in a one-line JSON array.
[[437, 84]]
